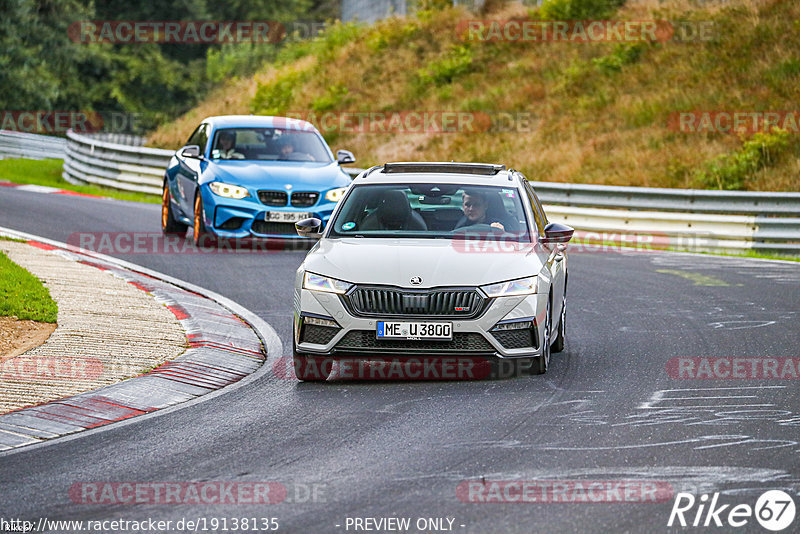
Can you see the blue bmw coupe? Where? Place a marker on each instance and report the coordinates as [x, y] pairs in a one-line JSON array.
[[251, 176]]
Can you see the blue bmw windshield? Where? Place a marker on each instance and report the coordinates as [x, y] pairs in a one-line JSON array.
[[431, 211], [270, 144]]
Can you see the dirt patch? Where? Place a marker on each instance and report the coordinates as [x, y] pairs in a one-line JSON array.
[[18, 336]]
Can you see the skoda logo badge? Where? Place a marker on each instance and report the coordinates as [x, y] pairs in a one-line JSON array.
[[415, 281]]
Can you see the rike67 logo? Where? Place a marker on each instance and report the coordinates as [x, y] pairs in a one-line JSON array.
[[774, 510]]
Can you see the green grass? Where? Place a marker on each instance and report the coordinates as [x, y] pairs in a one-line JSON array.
[[744, 254], [758, 255], [23, 295], [47, 172]]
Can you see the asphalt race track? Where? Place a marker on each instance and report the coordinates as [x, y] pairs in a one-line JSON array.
[[611, 408]]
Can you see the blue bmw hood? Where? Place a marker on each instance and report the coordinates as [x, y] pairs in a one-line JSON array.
[[277, 174]]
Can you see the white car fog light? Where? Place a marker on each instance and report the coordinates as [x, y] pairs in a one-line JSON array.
[[518, 325], [318, 321]]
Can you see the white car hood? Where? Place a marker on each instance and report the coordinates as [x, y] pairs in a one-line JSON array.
[[439, 262]]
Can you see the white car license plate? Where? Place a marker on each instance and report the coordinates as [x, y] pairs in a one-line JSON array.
[[287, 216], [403, 330]]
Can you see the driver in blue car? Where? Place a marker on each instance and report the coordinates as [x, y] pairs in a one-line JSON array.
[[226, 143], [475, 206]]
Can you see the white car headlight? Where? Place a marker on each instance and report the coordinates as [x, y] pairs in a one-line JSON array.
[[521, 286], [228, 190], [315, 282], [335, 195]]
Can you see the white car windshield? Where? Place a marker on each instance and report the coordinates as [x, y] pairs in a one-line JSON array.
[[274, 144], [431, 211]]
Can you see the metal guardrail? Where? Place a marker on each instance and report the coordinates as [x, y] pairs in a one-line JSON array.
[[661, 199], [120, 138], [31, 146], [685, 219], [90, 160]]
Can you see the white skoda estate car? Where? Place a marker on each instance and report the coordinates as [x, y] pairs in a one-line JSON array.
[[451, 260]]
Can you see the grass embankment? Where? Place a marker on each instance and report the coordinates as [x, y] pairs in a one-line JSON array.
[[602, 110], [579, 245], [763, 256], [47, 172], [22, 295]]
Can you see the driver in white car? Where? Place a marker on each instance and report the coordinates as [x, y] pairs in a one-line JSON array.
[[475, 207]]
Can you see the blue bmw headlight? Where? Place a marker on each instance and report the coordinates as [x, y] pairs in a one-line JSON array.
[[228, 191], [335, 195]]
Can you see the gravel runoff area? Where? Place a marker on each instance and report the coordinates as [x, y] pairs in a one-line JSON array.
[[19, 336], [108, 330]]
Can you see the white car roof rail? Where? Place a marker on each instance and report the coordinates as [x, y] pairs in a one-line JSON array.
[[485, 169]]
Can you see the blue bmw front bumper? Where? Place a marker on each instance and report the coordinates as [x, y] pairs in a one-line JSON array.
[[238, 219]]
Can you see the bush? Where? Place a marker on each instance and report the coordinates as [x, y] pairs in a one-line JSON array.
[[457, 61], [578, 9], [325, 45], [391, 32], [731, 171], [333, 96], [276, 97], [237, 59], [623, 54], [328, 44], [431, 5]]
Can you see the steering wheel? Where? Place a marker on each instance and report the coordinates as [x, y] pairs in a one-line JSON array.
[[298, 156], [477, 228]]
